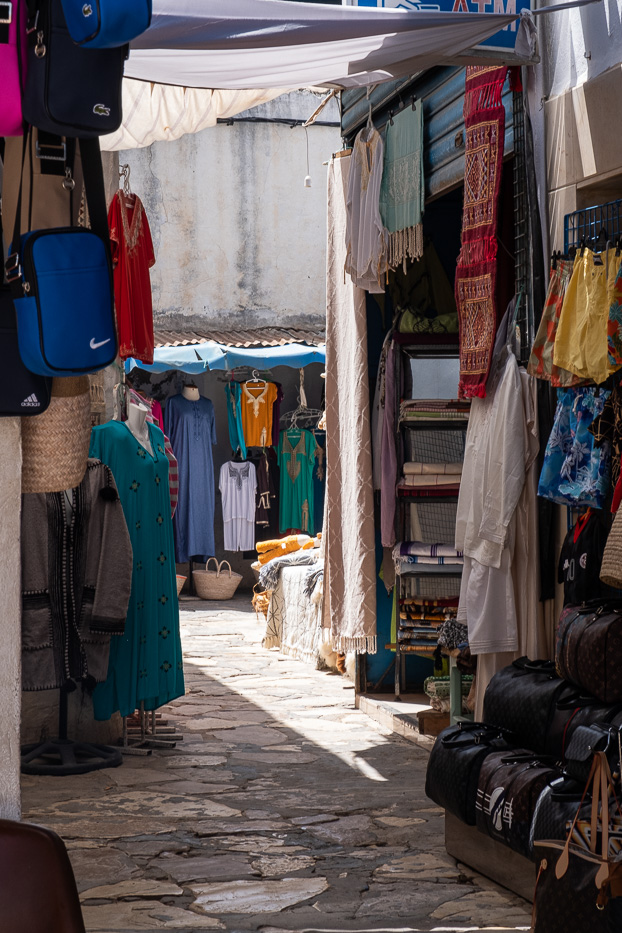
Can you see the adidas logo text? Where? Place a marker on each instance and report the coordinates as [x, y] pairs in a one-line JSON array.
[[31, 402]]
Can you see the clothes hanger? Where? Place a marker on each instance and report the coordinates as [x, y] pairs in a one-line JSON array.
[[255, 380], [124, 173], [302, 411]]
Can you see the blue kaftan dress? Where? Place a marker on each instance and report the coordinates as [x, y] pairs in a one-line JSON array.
[[191, 427], [146, 662]]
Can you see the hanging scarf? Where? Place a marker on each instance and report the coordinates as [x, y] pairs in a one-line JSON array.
[[401, 193], [484, 123]]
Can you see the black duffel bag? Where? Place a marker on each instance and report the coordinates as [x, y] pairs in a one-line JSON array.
[[454, 766], [523, 698], [508, 790], [555, 810], [588, 648]]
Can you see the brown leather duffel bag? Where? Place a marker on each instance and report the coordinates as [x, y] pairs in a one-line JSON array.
[[588, 649]]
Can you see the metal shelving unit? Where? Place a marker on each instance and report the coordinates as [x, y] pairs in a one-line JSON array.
[[428, 438]]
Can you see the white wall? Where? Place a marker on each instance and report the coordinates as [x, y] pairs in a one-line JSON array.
[[239, 240], [10, 616], [567, 37]]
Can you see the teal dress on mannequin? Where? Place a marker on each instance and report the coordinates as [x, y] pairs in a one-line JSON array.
[[146, 663]]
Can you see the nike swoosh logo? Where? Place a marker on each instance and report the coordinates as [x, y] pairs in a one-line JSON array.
[[94, 345]]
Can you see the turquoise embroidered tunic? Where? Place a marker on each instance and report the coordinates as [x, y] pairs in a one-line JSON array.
[[146, 663], [296, 455]]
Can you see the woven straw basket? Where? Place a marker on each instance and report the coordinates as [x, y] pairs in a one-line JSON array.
[[55, 445], [180, 583], [216, 584], [611, 567]]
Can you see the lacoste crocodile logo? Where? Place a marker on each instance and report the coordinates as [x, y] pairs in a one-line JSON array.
[[101, 110], [87, 10]]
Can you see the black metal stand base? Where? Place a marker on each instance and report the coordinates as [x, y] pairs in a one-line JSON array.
[[62, 756]]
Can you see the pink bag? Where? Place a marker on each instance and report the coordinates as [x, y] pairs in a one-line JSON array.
[[12, 65]]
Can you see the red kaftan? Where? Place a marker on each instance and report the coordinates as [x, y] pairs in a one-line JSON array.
[[132, 257]]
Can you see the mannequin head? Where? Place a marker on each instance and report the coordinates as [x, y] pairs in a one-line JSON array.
[[191, 393]]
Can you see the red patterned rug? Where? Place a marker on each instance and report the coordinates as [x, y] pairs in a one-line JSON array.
[[484, 122]]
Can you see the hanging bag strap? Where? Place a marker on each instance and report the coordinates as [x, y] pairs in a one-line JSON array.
[[95, 199]]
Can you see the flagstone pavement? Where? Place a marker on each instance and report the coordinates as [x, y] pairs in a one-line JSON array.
[[283, 808]]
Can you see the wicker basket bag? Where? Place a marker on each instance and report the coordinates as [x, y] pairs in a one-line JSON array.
[[55, 445], [216, 584]]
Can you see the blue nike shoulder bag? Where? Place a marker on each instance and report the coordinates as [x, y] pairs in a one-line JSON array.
[[61, 284], [105, 24]]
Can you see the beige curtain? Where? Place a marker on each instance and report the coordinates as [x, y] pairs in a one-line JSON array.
[[350, 559]]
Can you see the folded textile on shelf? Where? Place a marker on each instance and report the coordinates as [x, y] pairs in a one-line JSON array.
[[446, 601], [444, 479], [419, 549], [425, 492], [415, 559], [433, 414], [434, 469]]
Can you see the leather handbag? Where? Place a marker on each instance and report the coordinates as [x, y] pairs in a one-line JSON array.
[[508, 790], [69, 90], [588, 650], [61, 284], [586, 741], [579, 888], [12, 65], [105, 24], [523, 698], [454, 765], [569, 715]]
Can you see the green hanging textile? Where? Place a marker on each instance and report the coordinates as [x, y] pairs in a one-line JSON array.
[[402, 190]]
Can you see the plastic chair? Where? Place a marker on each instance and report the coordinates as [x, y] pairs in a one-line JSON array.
[[38, 891]]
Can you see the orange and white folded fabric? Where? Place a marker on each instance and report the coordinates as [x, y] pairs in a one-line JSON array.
[[278, 547]]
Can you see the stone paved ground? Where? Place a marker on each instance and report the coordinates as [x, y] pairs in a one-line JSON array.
[[284, 808]]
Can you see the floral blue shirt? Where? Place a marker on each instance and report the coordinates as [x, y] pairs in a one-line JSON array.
[[575, 471]]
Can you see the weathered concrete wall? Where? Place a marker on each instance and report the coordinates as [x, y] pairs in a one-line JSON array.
[[577, 45], [239, 240], [576, 99], [10, 616]]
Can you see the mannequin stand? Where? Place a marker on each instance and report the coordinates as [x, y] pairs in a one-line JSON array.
[[63, 756], [148, 730]]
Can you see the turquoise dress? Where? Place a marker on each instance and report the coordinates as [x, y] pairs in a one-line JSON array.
[[233, 392], [296, 456], [146, 662]]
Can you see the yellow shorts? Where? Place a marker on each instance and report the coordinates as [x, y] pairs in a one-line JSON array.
[[581, 340]]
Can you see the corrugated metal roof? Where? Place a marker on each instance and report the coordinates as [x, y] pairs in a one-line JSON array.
[[261, 337]]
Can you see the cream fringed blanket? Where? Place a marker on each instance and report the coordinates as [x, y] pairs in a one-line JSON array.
[[350, 563]]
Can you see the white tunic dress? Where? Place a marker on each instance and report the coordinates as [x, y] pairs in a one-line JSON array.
[[238, 485], [366, 236]]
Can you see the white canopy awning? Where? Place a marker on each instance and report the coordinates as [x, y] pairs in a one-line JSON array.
[[164, 112], [251, 44]]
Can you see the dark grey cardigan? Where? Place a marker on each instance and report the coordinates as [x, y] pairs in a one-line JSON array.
[[76, 580]]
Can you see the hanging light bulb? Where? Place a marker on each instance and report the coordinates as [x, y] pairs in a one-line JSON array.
[[307, 181]]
